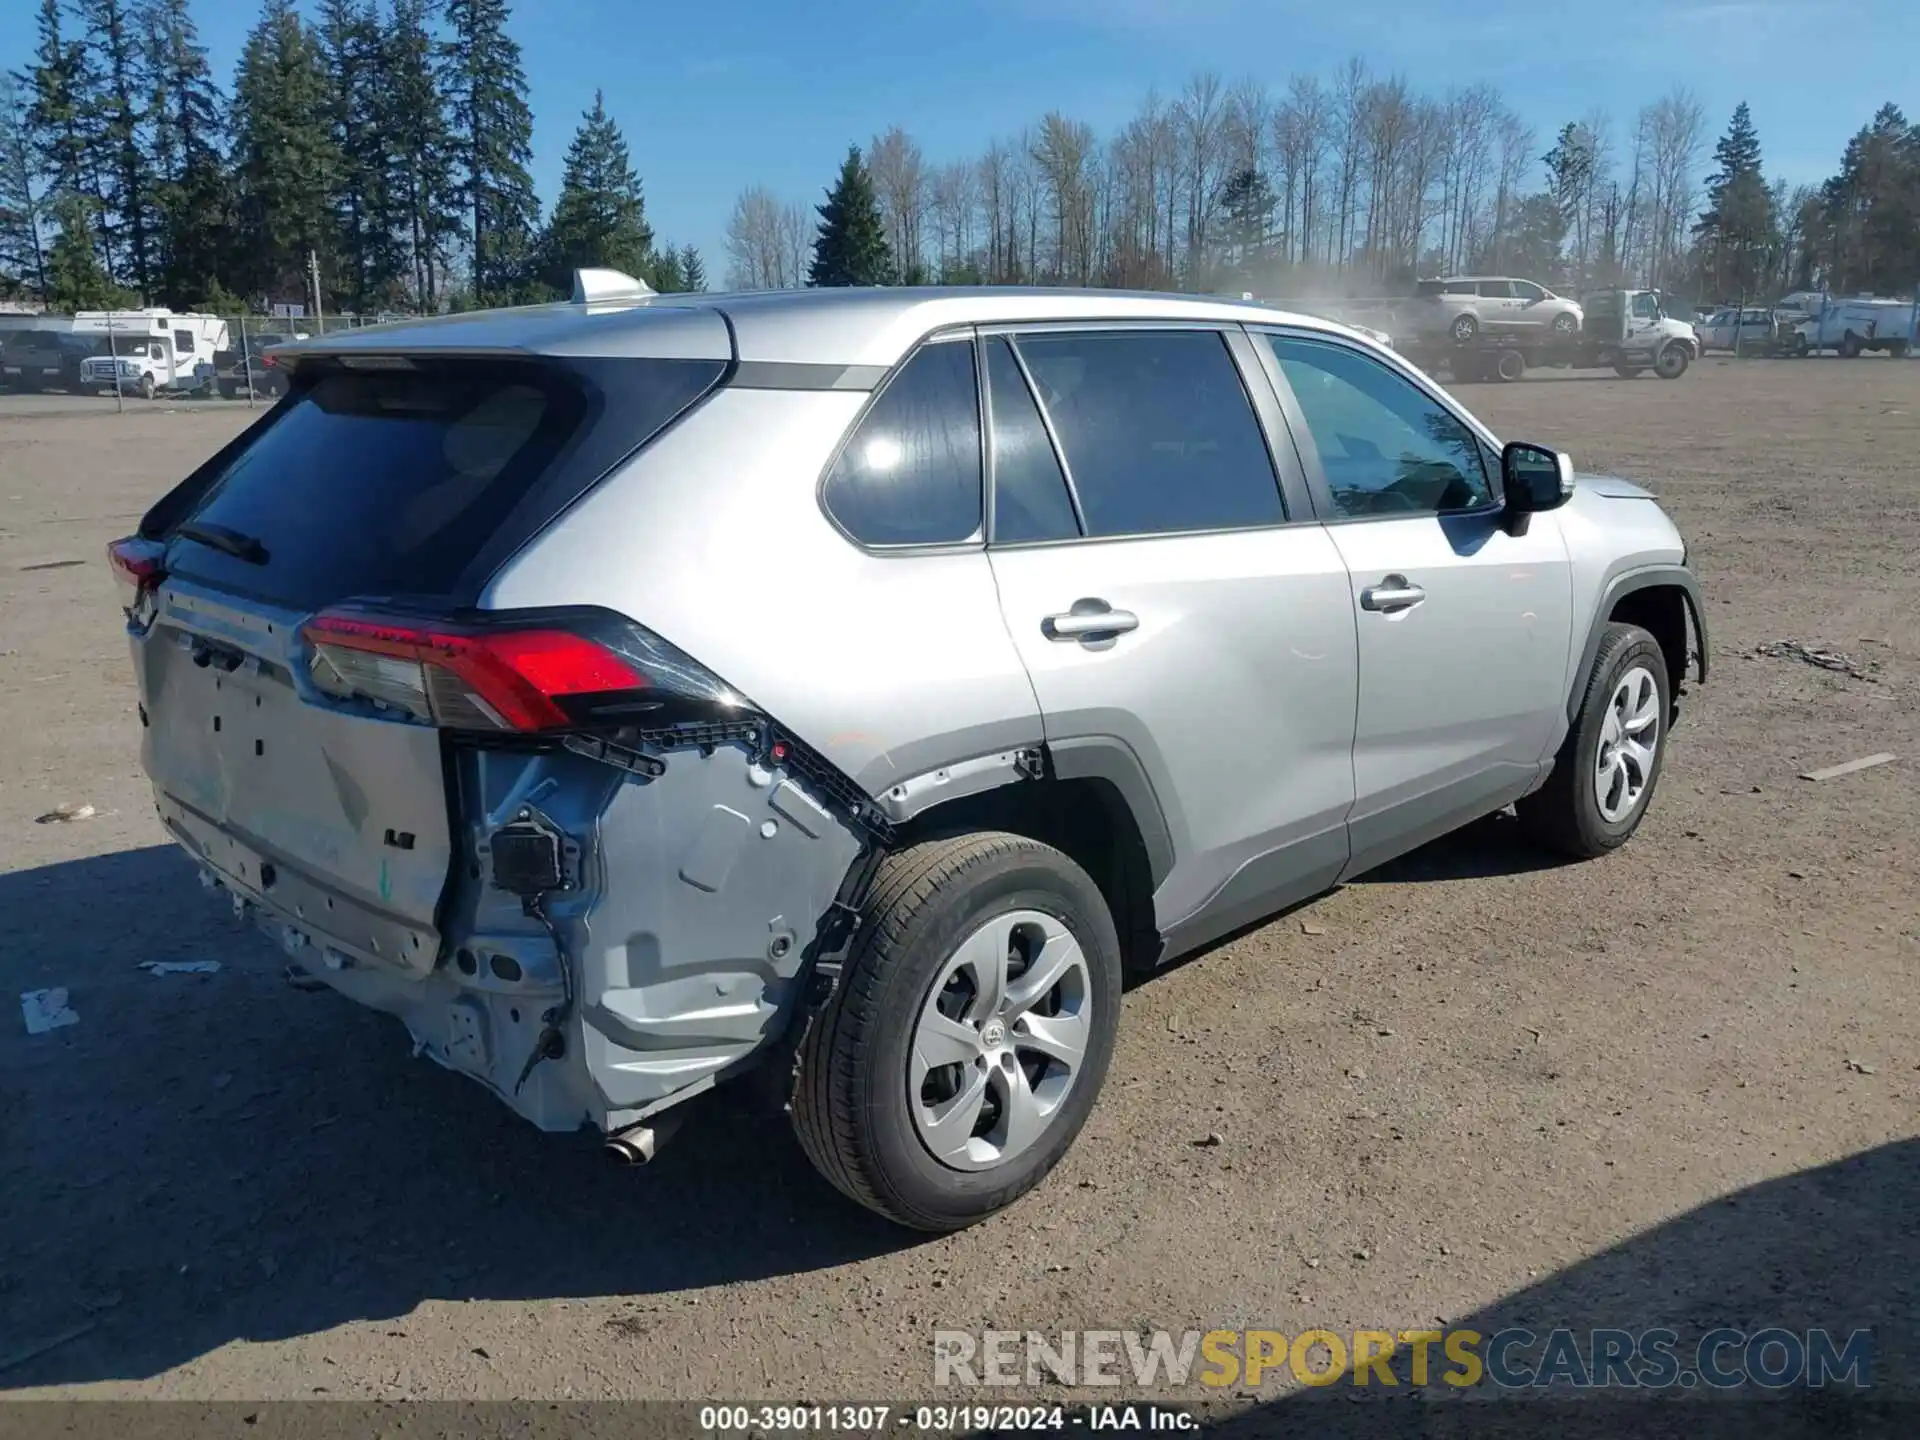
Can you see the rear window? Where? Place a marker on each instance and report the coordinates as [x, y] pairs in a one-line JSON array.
[[420, 481]]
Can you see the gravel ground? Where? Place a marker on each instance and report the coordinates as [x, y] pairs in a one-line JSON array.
[[1677, 1085]]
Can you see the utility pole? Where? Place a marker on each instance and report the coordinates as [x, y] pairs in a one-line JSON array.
[[313, 267]]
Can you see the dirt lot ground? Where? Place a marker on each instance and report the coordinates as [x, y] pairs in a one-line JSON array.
[[1677, 1085]]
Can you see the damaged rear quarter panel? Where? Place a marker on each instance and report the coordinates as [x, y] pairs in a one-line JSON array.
[[692, 899]]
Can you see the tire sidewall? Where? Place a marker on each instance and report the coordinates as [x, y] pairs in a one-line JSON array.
[[1031, 879], [1637, 649]]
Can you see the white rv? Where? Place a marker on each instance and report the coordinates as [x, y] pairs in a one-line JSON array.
[[149, 351]]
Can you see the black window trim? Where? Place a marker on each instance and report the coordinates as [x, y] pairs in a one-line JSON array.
[[1295, 505], [946, 335], [1325, 510], [1046, 426]]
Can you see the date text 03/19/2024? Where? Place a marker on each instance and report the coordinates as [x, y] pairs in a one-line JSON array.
[[949, 1419]]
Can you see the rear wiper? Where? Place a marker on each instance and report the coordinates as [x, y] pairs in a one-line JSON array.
[[231, 542]]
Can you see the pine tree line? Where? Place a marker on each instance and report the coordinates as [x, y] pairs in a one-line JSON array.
[[387, 140], [1353, 186]]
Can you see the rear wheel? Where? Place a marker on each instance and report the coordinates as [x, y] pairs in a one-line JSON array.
[[1897, 349], [1849, 345], [1671, 363], [1564, 326], [969, 1033], [1604, 776], [1465, 326]]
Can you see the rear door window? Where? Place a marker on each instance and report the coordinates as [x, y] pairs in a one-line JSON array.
[[1157, 431], [1030, 497], [911, 472], [400, 481]]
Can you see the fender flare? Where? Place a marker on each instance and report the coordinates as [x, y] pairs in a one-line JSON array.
[[1644, 577]]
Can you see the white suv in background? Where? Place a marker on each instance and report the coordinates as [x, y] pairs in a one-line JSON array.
[[1463, 306]]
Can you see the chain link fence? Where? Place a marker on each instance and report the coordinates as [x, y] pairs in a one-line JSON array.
[[133, 356]]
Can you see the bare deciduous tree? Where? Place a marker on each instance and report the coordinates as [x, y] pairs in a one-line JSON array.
[[757, 257], [900, 184]]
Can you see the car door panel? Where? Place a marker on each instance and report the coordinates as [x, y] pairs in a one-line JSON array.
[[1235, 691], [1459, 693], [1229, 668], [1462, 628]]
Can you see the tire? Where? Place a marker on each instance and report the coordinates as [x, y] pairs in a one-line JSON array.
[[1897, 349], [1849, 346], [855, 1109], [1566, 813], [1465, 328], [1629, 372], [1564, 327], [228, 390], [1671, 363], [146, 387]]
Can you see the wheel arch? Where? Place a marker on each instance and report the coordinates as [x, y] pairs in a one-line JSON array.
[[1663, 600], [1089, 798]]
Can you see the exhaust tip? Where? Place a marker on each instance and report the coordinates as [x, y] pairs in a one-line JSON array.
[[638, 1144], [633, 1147]]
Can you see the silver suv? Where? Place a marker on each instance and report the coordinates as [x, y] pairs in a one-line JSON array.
[[1466, 306], [851, 686]]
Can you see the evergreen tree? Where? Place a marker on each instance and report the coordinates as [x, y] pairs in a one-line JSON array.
[[193, 200], [284, 157], [354, 48], [1869, 214], [851, 248], [76, 280], [494, 131], [600, 217], [663, 272], [113, 116], [411, 113], [52, 83], [1248, 201], [692, 269], [1737, 230], [22, 251]]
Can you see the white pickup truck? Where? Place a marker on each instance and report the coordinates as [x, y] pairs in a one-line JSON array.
[[1851, 327]]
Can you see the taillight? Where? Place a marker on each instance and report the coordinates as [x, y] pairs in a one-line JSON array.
[[267, 362], [137, 568], [515, 673]]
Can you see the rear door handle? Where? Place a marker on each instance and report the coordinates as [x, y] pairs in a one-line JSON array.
[[1088, 620], [1395, 592]]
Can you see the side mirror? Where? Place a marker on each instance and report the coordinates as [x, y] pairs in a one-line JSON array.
[[1535, 478]]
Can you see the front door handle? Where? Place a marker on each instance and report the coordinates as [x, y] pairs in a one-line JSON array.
[[1394, 593], [1089, 620]]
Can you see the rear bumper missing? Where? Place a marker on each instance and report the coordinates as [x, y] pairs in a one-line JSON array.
[[687, 920]]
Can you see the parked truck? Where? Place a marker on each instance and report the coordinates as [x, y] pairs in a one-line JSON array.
[[1852, 327], [1627, 331]]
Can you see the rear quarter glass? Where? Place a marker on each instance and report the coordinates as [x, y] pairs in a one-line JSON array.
[[419, 481]]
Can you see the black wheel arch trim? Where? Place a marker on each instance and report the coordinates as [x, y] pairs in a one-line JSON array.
[[1097, 757], [1644, 577]]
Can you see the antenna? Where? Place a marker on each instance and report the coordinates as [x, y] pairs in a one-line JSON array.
[[590, 285]]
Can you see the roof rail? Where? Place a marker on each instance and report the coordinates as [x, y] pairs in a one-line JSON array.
[[590, 285]]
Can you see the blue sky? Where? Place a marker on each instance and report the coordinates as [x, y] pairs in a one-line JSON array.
[[720, 96]]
